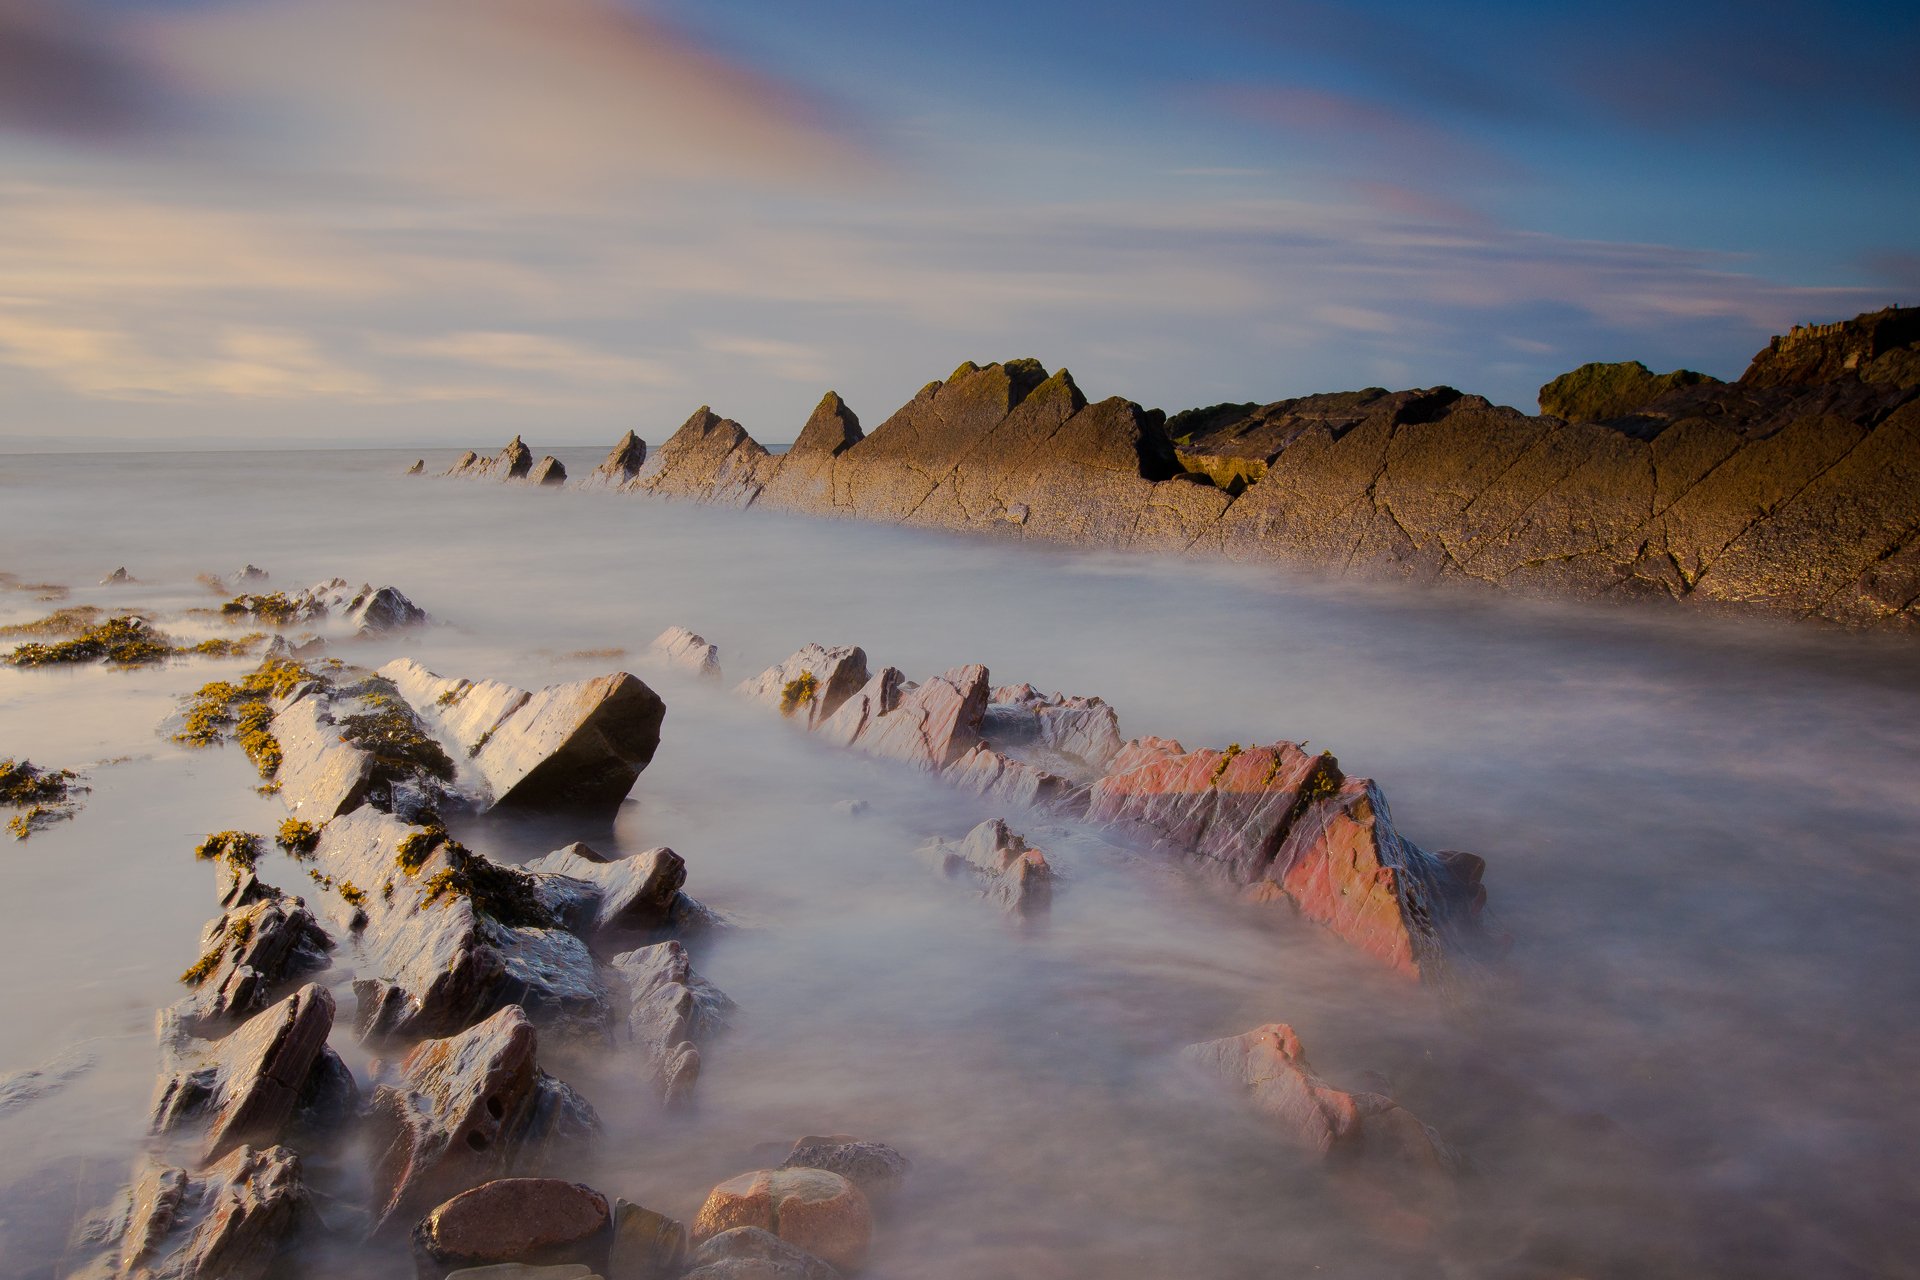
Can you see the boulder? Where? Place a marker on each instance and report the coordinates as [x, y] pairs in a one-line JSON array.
[[933, 724], [621, 465], [263, 940], [548, 471], [382, 609], [466, 1110], [630, 899], [810, 685], [533, 1221], [750, 1253], [681, 648], [575, 745], [229, 1221], [448, 937], [321, 774], [1269, 1068], [344, 747], [812, 1209], [876, 1168], [646, 1245], [246, 1087], [1010, 874], [671, 1012]]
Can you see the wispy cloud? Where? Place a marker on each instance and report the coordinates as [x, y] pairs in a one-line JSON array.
[[533, 353]]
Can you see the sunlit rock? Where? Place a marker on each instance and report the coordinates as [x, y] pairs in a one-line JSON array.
[[811, 684], [681, 648], [230, 1221], [672, 1011], [812, 1209], [535, 1221]]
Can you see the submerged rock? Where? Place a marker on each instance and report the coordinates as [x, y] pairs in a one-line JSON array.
[[228, 1222], [751, 1253], [118, 578], [535, 1221], [468, 1109], [671, 1012], [682, 648], [626, 899], [876, 1168], [812, 1209], [580, 744], [1011, 874], [810, 685]]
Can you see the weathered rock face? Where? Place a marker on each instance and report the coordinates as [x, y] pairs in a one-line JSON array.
[[802, 477], [629, 899], [682, 648], [709, 459], [672, 1011], [749, 1253], [1599, 392], [1075, 736], [621, 464], [345, 747], [447, 937], [264, 939], [1268, 1065], [1009, 873], [931, 725], [1882, 346], [548, 471], [876, 1168], [1289, 826], [575, 745], [229, 1221], [468, 1109], [245, 1087], [418, 468], [537, 1221], [810, 686], [812, 1209]]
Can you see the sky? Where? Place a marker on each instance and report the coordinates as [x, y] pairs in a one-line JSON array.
[[444, 222]]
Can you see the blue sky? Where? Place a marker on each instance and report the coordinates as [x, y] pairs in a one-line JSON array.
[[449, 220]]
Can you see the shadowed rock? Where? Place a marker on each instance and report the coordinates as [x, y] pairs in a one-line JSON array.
[[1073, 736], [1598, 392], [811, 1209], [263, 940], [621, 465], [628, 899], [230, 1221], [548, 471], [672, 1011], [810, 685], [646, 1245], [876, 1168], [466, 1110]]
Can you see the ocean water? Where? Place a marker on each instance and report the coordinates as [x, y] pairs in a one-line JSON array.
[[1699, 1059]]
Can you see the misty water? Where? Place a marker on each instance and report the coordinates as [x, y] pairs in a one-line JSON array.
[[1699, 1057]]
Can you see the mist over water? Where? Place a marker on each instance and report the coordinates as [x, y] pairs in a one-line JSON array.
[[1699, 1058]]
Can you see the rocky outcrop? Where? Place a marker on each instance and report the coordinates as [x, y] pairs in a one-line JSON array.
[[548, 471], [930, 725], [466, 1110], [811, 1209], [625, 900], [446, 937], [671, 1012], [345, 746], [681, 648], [1601, 392], [621, 465], [876, 1168], [515, 462], [1008, 872], [230, 1221], [1794, 490], [1270, 1070], [534, 1221], [263, 940], [575, 745], [1073, 736], [810, 686]]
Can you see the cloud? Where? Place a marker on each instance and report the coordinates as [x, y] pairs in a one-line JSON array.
[[794, 361], [63, 74], [103, 362], [1359, 133], [549, 357]]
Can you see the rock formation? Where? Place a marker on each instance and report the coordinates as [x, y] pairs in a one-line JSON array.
[[263, 940], [1009, 873], [681, 648], [672, 1011], [536, 1221], [621, 466], [811, 1209], [876, 1168], [614, 901], [229, 1221], [1601, 392]]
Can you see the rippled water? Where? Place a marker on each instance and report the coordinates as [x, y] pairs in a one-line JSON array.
[[1699, 1058]]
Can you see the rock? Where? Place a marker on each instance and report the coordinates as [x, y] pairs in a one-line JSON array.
[[1074, 737], [345, 747], [521, 1271], [449, 937], [246, 1086], [321, 775], [263, 940], [812, 1209], [419, 467], [709, 459], [549, 471], [1597, 392], [646, 1245], [1268, 1065], [621, 465], [672, 1011], [874, 699], [468, 1109], [382, 609], [631, 898], [830, 431], [874, 1167], [575, 745], [1005, 781], [229, 1222], [852, 808], [249, 575], [682, 648], [810, 685], [24, 1088], [1011, 875], [514, 462], [525, 1220], [1879, 346], [119, 577], [750, 1253], [467, 463], [933, 724]]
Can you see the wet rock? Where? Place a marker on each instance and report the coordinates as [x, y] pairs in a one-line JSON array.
[[264, 939], [646, 1245], [812, 1209], [229, 1222], [876, 1168], [810, 685], [342, 748], [247, 1086], [682, 648], [548, 471], [933, 724], [532, 1221], [321, 775], [750, 1253], [672, 1011], [1010, 874], [450, 937], [621, 465], [1268, 1066], [575, 745], [630, 898], [468, 1109]]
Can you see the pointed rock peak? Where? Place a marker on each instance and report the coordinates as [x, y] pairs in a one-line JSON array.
[[966, 367], [833, 428], [1025, 374], [626, 442], [1061, 386]]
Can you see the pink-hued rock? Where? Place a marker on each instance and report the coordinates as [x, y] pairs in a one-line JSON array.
[[1074, 735], [1010, 873], [820, 1212], [934, 724], [989, 774], [810, 685], [539, 1221], [228, 1222], [467, 1109], [874, 699], [1270, 1068], [626, 900], [681, 648]]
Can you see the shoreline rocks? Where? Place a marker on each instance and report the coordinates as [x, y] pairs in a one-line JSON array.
[[811, 1209]]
